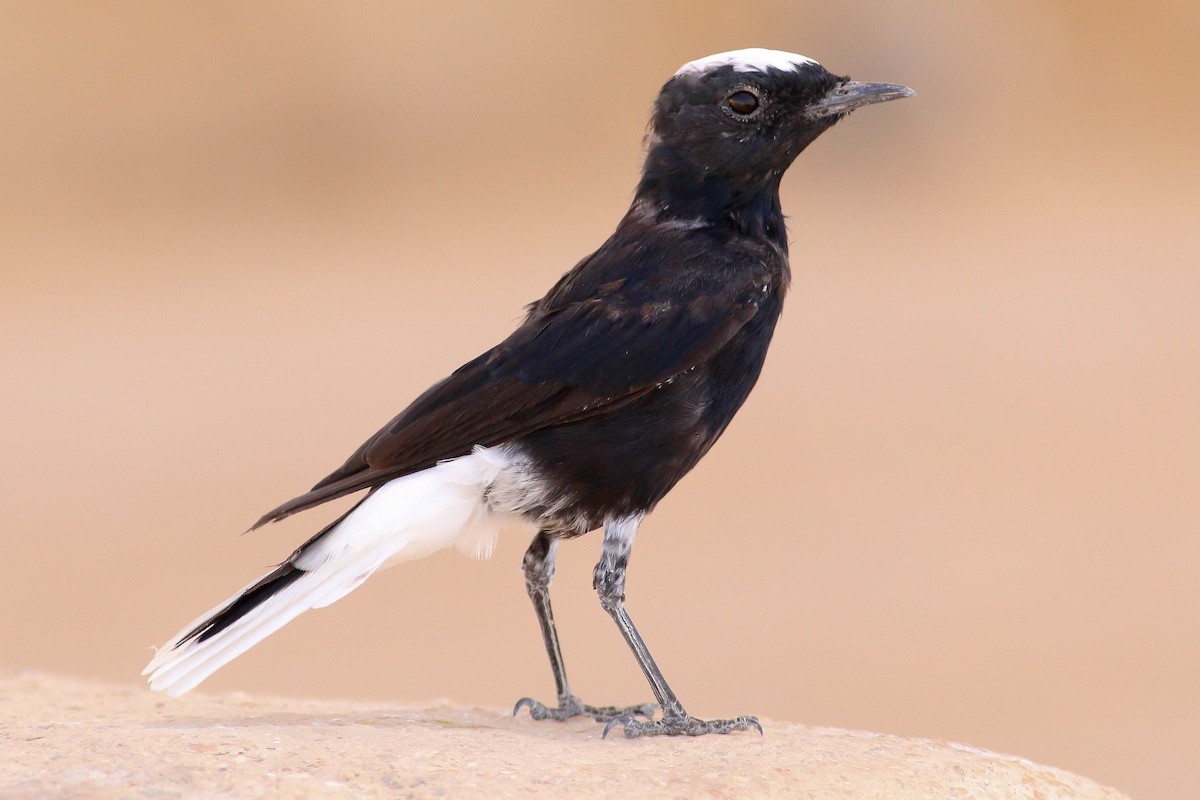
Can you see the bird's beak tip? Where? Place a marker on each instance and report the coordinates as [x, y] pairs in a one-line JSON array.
[[847, 96]]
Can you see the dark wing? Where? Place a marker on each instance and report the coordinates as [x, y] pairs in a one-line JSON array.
[[571, 359]]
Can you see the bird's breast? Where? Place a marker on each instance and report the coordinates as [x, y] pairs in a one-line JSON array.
[[624, 461]]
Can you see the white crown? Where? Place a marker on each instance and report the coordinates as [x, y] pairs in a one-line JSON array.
[[752, 59]]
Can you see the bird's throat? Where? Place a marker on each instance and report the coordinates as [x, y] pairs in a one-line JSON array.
[[683, 194]]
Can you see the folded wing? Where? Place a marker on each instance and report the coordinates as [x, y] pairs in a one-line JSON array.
[[584, 350]]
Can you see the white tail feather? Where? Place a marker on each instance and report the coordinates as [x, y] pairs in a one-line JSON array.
[[405, 519]]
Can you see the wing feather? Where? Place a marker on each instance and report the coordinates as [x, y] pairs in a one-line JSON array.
[[588, 347]]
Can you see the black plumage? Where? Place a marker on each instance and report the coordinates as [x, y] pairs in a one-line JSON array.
[[628, 370], [617, 382]]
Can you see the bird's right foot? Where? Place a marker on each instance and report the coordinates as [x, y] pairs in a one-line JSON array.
[[571, 706], [680, 724]]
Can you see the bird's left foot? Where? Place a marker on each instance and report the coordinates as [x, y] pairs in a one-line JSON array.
[[572, 706], [680, 725]]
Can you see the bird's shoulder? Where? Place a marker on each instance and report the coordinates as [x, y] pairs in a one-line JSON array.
[[650, 264], [652, 302]]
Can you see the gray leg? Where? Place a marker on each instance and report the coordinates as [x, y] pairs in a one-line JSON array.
[[539, 571], [609, 582]]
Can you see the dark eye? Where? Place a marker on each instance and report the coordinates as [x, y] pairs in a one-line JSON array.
[[742, 102]]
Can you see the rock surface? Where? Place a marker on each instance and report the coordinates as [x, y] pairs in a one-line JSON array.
[[70, 738]]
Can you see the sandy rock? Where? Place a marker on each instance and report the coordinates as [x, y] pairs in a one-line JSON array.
[[70, 738]]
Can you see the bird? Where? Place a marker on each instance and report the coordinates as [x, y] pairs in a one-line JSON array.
[[614, 385]]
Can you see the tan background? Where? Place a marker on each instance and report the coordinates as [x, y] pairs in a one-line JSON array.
[[962, 503]]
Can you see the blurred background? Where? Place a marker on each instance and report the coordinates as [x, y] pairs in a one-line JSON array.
[[962, 503]]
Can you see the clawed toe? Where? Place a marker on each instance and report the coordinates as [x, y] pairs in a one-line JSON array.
[[536, 710], [608, 713], [636, 721], [680, 725], [570, 707]]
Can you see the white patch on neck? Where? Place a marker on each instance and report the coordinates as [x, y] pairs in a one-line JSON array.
[[753, 59]]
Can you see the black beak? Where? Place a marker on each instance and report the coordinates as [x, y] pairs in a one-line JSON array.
[[845, 97]]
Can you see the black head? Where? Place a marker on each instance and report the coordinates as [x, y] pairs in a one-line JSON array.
[[726, 127]]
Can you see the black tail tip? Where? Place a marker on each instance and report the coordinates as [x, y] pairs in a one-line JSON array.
[[270, 584]]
